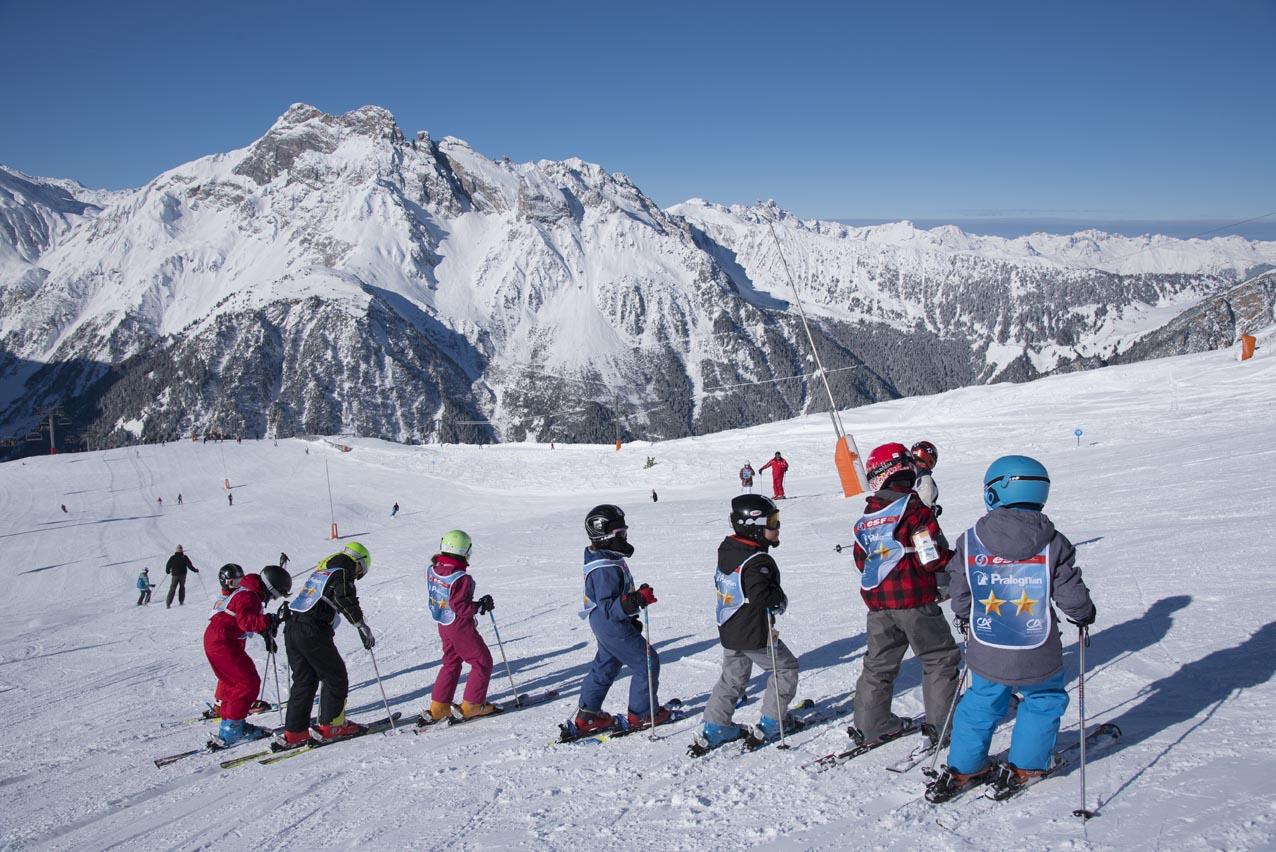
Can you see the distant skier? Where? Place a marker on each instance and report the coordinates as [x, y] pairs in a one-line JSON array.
[[229, 625], [747, 582], [453, 608], [395, 510], [655, 498], [746, 478], [1014, 645], [283, 560], [778, 468], [160, 501], [179, 498], [176, 567], [64, 511], [314, 614], [230, 499], [611, 607], [898, 550], [144, 587]]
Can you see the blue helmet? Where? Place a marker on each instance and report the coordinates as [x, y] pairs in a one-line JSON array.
[[1014, 481]]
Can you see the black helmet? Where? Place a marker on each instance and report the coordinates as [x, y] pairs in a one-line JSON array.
[[751, 516], [276, 580], [605, 526], [229, 575]]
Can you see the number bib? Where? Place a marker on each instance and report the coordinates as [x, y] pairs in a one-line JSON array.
[[875, 534], [1009, 599]]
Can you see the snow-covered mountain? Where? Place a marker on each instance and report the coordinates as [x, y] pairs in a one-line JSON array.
[[336, 276]]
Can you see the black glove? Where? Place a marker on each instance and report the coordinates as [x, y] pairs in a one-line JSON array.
[[271, 645], [485, 604], [637, 623], [937, 509], [193, 568], [962, 623], [1086, 622], [284, 613], [365, 635], [167, 570], [641, 598], [272, 621]]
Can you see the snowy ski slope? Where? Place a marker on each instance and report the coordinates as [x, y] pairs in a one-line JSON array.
[[1170, 498]]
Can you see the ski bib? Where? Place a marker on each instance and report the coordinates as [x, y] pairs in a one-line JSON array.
[[220, 605], [312, 592], [441, 596], [589, 605], [875, 534], [1009, 599], [730, 591]]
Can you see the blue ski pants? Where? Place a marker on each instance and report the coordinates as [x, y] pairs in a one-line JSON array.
[[984, 704], [618, 646]]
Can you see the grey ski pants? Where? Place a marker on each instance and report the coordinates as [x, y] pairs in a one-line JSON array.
[[891, 632], [736, 668]]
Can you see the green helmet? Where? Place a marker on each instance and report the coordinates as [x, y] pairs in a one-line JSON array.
[[362, 558], [456, 543]]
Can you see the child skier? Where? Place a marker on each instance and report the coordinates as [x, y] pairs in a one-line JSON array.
[[229, 576], [898, 549], [611, 607], [231, 622], [746, 478], [312, 620], [453, 608], [144, 587], [1009, 567], [747, 581]]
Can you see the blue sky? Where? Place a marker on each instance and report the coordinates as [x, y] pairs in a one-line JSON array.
[[961, 110]]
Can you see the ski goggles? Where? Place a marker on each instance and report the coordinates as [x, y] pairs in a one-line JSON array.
[[1009, 479], [773, 521]]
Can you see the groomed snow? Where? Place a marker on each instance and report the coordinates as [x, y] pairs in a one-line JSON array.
[[1170, 499]]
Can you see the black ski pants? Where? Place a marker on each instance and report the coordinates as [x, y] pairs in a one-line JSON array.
[[314, 659], [144, 597], [176, 586]]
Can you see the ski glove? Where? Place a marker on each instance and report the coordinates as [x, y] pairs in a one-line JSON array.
[[1086, 622], [193, 568], [485, 604], [272, 630], [285, 612], [640, 599], [365, 635], [962, 623], [271, 645], [937, 510]]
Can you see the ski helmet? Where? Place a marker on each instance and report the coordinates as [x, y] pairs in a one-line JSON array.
[[924, 454], [886, 462], [229, 575], [752, 515], [1013, 481], [605, 525], [456, 543], [276, 580], [362, 558]]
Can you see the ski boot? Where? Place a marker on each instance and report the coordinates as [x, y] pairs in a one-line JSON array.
[[439, 710], [587, 722], [901, 727], [1008, 779], [232, 732], [285, 740], [472, 711], [932, 736], [260, 706], [339, 729], [638, 721], [712, 736], [950, 784]]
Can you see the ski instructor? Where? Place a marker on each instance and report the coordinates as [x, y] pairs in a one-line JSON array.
[[779, 467], [176, 567]]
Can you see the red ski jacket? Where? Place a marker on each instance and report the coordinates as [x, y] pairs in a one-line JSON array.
[[778, 468], [242, 614]]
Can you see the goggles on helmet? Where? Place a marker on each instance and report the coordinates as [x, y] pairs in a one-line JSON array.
[[997, 479]]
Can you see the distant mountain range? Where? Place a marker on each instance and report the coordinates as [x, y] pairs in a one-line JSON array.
[[336, 276]]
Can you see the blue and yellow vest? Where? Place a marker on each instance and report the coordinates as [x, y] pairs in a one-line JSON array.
[[875, 534], [440, 590], [312, 592], [730, 591], [590, 565], [1009, 599]]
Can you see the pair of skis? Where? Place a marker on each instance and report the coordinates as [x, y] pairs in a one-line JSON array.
[[835, 759], [278, 752], [425, 721], [568, 733], [801, 716]]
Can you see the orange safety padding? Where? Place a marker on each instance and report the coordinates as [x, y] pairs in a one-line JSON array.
[[226, 483], [334, 535], [850, 469], [1248, 343], [617, 445]]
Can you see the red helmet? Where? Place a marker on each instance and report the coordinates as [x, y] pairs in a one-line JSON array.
[[886, 461], [925, 454]]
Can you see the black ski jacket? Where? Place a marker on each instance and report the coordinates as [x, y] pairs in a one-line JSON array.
[[340, 590], [178, 564], [760, 580]]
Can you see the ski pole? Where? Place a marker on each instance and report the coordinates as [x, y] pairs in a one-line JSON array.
[[504, 659], [265, 665], [1083, 639], [952, 709], [775, 684], [279, 696], [384, 700], [651, 686]]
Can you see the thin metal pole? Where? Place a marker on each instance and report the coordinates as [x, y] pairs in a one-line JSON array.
[[833, 415], [651, 685], [332, 513], [1083, 634], [384, 700], [775, 683], [504, 659], [952, 708], [279, 695]]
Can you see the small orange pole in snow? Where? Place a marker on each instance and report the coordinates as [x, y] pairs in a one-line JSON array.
[[226, 483], [1247, 346], [850, 469], [334, 535]]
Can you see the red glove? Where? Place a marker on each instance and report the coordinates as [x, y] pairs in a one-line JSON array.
[[643, 597]]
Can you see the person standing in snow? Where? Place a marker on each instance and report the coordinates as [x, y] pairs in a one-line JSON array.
[[329, 594], [1013, 633], [395, 510], [611, 607], [230, 499], [747, 583], [898, 549], [746, 478], [283, 561], [778, 467], [144, 587], [453, 608], [176, 567], [232, 620], [179, 498], [229, 577], [64, 511]]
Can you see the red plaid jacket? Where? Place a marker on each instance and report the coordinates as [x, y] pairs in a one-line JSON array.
[[911, 584]]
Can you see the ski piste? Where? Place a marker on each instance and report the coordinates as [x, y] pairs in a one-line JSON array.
[[620, 727], [209, 748], [425, 723], [831, 760], [209, 716], [278, 753]]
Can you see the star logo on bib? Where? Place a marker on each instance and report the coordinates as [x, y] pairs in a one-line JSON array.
[[992, 603], [1024, 603], [883, 551], [726, 599]]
